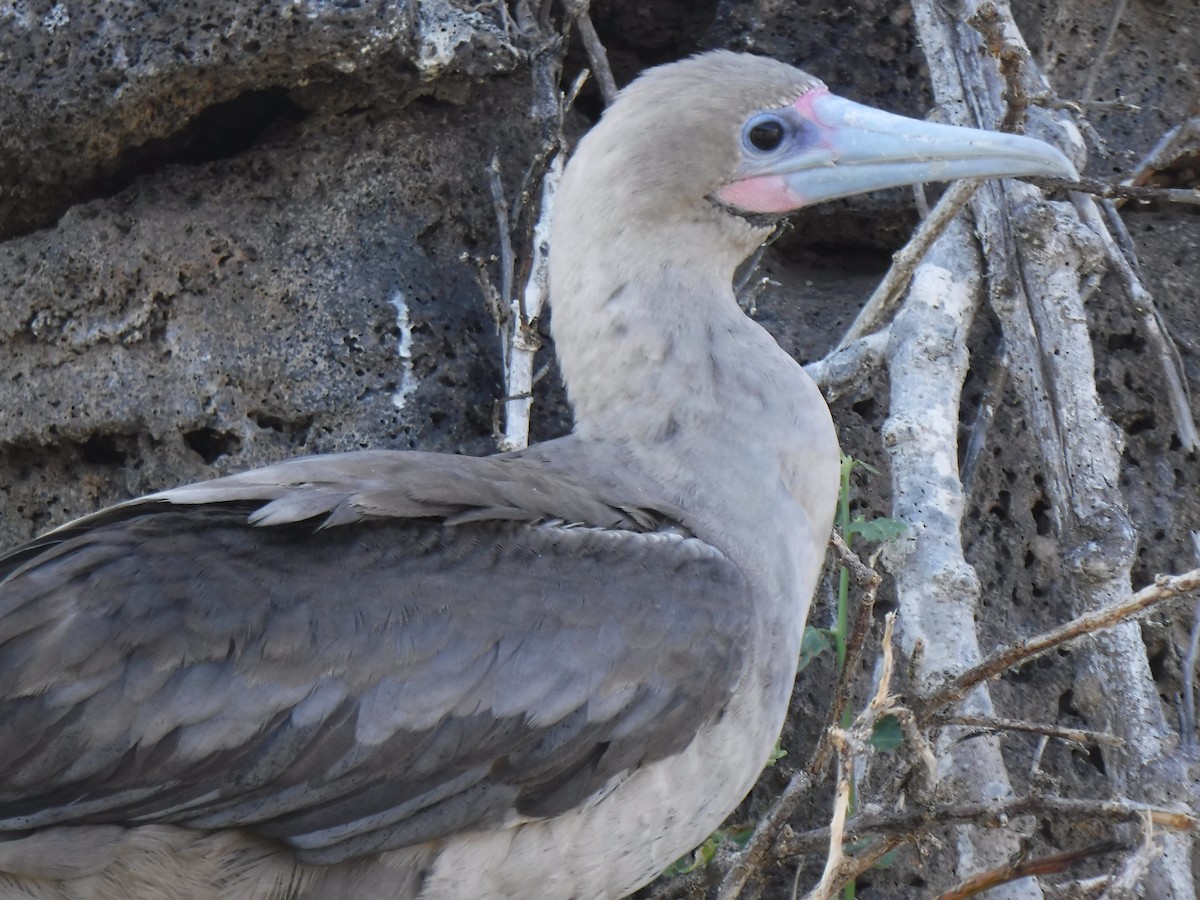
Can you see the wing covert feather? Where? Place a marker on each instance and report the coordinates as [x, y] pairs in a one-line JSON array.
[[350, 688]]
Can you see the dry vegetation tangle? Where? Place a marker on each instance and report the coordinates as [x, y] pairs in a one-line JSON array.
[[1021, 380]]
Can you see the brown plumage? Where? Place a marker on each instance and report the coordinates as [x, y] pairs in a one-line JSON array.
[[402, 675]]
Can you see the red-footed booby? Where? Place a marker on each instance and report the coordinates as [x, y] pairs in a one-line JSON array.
[[544, 674]]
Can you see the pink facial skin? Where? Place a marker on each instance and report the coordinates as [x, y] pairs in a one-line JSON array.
[[770, 193]]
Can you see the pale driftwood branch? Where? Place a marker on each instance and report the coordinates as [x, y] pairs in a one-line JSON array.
[[1044, 259], [1004, 45], [846, 371], [937, 589], [525, 303], [882, 303]]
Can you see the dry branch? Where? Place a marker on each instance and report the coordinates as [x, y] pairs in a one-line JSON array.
[[918, 820], [1165, 587], [1054, 864], [882, 303]]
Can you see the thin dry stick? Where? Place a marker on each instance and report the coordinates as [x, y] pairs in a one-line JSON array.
[[1054, 864], [757, 853], [993, 723], [751, 860], [1182, 138], [841, 808], [846, 370], [1125, 885], [1011, 57], [1165, 587], [882, 701], [867, 577], [993, 814], [525, 304], [883, 302], [852, 866], [597, 55], [1089, 86], [1107, 191], [504, 231], [1165, 349], [1187, 724], [1047, 100]]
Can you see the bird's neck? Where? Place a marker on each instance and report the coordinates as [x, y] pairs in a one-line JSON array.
[[652, 343], [657, 355]]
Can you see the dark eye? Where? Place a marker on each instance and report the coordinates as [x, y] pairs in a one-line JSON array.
[[765, 133]]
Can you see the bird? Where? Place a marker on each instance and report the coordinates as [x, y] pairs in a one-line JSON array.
[[418, 676]]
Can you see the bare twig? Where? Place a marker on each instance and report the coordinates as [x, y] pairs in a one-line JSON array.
[[504, 231], [1125, 885], [994, 723], [1054, 864], [1108, 191], [1049, 100], [851, 867], [1119, 251], [855, 642], [1187, 725], [755, 856], [597, 55], [750, 861], [525, 303], [1011, 56], [993, 814], [1182, 139], [1165, 587], [882, 303], [841, 808], [1089, 86], [492, 301], [848, 369]]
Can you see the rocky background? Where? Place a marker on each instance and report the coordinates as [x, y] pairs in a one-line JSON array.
[[233, 232]]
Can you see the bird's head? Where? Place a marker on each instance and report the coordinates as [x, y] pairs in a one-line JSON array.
[[726, 135]]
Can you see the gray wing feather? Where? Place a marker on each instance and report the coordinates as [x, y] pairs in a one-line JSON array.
[[355, 687]]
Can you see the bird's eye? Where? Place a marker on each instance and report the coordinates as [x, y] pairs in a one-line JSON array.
[[765, 133]]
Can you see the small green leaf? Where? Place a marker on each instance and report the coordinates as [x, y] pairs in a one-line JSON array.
[[813, 644], [853, 848], [777, 754], [740, 837], [877, 530], [703, 854], [888, 859], [886, 735]]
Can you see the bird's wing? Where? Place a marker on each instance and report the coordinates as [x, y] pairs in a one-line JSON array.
[[354, 682]]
